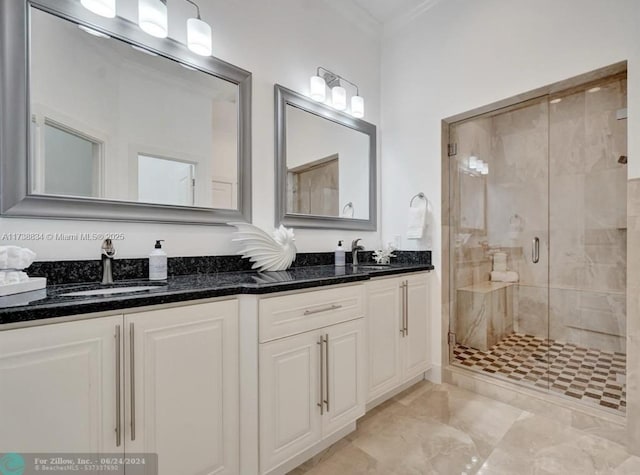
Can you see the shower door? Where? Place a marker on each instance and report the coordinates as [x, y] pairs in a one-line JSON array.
[[499, 233], [537, 260]]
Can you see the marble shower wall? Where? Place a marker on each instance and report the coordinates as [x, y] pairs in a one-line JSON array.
[[556, 167]]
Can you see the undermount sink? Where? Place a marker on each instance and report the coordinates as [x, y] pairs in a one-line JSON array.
[[110, 291]]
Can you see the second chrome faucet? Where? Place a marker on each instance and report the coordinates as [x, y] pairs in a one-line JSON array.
[[355, 247]]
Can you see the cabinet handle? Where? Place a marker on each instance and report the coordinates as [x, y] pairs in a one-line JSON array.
[[402, 307], [132, 379], [535, 250], [323, 309], [118, 389], [326, 366], [406, 307], [320, 401]]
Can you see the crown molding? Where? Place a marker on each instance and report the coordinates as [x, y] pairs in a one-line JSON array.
[[403, 19], [357, 15]]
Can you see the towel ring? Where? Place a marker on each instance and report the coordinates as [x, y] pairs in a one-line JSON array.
[[347, 206], [419, 195]]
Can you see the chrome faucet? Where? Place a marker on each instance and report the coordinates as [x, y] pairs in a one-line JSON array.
[[355, 247], [107, 255]]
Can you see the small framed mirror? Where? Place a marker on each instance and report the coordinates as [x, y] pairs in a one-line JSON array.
[[325, 166], [107, 122]]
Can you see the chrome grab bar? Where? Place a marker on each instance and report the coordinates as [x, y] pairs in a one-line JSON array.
[[535, 250]]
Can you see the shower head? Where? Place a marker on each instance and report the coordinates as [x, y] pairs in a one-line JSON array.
[[623, 159]]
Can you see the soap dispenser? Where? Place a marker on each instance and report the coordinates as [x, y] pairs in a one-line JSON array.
[[158, 262], [340, 255]]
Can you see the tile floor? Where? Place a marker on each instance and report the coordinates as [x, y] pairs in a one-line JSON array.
[[588, 375], [446, 430]]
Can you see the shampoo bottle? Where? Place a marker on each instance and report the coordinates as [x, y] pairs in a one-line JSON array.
[[158, 263], [340, 255]]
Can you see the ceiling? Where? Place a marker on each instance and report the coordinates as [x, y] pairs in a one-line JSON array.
[[385, 11]]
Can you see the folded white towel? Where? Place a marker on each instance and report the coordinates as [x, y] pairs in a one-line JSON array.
[[417, 218], [504, 276], [15, 257], [12, 277]]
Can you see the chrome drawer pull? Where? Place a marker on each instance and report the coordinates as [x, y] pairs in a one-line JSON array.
[[324, 309]]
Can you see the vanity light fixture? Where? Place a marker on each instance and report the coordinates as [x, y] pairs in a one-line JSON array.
[[473, 162], [318, 89], [152, 17], [485, 169], [199, 34], [105, 8], [318, 92], [339, 97], [479, 165]]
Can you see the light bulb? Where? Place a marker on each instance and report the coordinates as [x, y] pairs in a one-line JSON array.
[[357, 107], [317, 89], [152, 17], [473, 162], [105, 8], [485, 169], [339, 98], [199, 37]]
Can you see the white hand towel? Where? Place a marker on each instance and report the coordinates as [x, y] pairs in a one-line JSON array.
[[511, 276], [12, 277], [17, 258], [417, 217], [508, 276], [3, 257]]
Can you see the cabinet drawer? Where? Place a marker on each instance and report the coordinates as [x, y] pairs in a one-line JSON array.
[[291, 314]]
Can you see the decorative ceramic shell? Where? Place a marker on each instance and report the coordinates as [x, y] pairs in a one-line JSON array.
[[268, 253]]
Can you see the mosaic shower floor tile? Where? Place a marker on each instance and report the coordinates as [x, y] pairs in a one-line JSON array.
[[591, 376]]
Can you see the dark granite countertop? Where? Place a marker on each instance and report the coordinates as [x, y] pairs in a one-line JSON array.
[[51, 303]]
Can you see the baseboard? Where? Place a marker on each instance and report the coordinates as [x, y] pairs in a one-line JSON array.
[[388, 395], [299, 459]]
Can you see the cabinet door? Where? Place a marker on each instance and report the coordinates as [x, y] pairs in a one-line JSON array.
[[58, 387], [416, 341], [345, 378], [290, 419], [383, 337], [183, 393]]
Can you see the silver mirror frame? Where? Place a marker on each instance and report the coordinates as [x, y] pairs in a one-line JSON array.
[[15, 200], [284, 97]]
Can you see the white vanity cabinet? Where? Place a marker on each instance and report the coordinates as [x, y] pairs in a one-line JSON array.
[[162, 381], [58, 389], [312, 384], [397, 332], [182, 387]]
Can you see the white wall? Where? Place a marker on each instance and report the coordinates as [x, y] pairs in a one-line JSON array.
[[279, 42], [463, 54]]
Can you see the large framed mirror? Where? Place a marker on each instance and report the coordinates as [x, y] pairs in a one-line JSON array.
[[325, 166], [102, 121]]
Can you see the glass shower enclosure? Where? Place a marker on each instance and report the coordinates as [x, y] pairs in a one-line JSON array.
[[537, 198]]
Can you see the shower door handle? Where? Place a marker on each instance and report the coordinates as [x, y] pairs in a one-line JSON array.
[[535, 250]]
